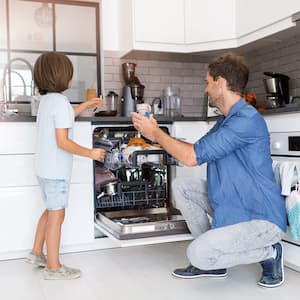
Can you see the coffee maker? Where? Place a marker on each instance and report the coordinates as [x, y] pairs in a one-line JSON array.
[[277, 89], [133, 91]]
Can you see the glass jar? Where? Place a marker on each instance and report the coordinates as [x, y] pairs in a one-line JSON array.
[[171, 102]]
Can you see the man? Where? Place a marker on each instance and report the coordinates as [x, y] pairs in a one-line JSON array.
[[241, 196]]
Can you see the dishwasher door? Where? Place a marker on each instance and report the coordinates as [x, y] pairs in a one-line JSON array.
[[132, 224]]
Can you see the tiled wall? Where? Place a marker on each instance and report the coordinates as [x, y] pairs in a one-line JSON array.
[[187, 73], [281, 57], [157, 72]]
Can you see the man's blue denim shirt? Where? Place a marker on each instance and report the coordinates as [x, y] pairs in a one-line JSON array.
[[241, 185]]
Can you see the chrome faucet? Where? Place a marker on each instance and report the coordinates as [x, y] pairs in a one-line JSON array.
[[7, 89]]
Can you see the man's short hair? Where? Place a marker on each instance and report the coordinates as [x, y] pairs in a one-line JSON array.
[[233, 68]]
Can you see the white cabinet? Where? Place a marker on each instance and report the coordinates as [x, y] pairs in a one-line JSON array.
[[257, 19], [158, 21], [210, 25], [20, 208], [190, 132], [187, 26], [296, 6], [78, 227], [20, 199], [17, 137], [176, 25], [156, 25]]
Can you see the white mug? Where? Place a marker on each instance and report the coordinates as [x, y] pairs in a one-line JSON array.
[[143, 109]]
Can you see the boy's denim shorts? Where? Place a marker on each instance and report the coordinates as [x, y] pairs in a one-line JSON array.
[[55, 192]]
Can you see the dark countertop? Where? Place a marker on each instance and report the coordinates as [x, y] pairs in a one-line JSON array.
[[290, 108], [26, 117], [23, 117], [126, 120]]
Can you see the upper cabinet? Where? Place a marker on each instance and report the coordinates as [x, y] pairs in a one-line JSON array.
[[157, 21], [209, 25], [187, 26], [176, 25], [257, 19], [296, 6], [156, 25]]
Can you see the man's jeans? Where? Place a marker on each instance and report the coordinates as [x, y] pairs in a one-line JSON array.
[[243, 243]]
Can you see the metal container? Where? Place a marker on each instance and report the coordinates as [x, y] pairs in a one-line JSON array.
[[271, 85], [111, 106], [137, 91]]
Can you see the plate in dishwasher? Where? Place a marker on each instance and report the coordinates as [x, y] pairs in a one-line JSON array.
[[132, 224]]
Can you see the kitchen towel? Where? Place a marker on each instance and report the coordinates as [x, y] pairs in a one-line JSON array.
[[287, 175], [293, 211]]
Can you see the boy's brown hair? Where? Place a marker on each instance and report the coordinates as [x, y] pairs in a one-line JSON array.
[[52, 72]]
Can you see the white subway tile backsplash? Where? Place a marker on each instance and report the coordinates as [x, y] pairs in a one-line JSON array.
[[283, 57], [158, 71], [108, 61], [158, 74], [111, 69]]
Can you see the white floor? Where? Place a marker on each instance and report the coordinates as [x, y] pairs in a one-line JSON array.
[[137, 273]]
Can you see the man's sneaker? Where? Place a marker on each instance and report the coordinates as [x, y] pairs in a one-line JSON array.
[[273, 273], [38, 260], [63, 273], [193, 272]]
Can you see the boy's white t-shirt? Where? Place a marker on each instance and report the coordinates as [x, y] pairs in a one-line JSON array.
[[55, 111]]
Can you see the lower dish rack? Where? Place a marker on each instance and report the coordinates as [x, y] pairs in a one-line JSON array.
[[133, 195]]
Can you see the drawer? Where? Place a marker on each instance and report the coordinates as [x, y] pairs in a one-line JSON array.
[[20, 209], [19, 137], [18, 170]]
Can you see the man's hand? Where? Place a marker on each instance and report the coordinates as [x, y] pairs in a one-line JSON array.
[[97, 153], [148, 127]]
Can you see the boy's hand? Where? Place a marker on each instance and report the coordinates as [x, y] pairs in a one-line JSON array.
[[95, 103], [97, 153]]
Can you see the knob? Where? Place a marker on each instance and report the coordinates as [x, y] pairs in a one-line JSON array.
[[276, 145]]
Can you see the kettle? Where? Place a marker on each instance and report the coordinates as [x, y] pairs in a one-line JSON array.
[[111, 105]]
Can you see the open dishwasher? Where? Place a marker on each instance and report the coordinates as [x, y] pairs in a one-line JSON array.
[[132, 186]]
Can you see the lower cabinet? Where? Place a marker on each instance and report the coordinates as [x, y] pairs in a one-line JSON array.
[[21, 207], [190, 132], [78, 227], [21, 203]]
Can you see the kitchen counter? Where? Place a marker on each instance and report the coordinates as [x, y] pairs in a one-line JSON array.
[[23, 117], [291, 108], [26, 117]]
